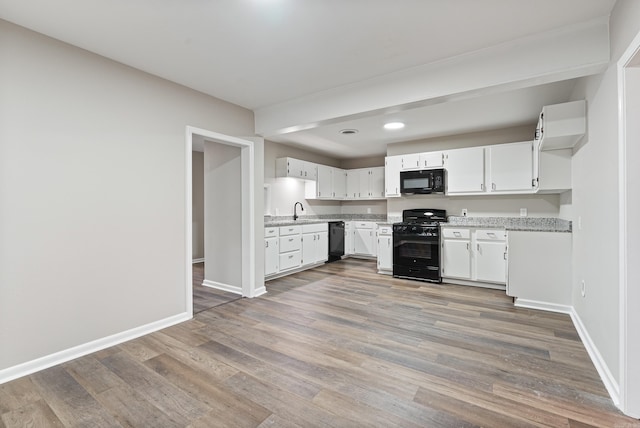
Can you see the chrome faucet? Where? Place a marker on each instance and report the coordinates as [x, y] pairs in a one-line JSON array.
[[295, 215]]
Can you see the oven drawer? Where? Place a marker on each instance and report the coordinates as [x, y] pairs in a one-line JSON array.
[[456, 233], [290, 243]]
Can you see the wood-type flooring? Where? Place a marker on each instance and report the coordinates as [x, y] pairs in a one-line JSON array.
[[206, 297], [336, 346]]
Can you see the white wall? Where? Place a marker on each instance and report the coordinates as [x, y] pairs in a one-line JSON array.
[[197, 195], [595, 196], [92, 194], [222, 205]]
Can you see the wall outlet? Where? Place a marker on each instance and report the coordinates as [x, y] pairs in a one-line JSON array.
[[368, 210], [464, 212], [277, 211], [523, 212], [583, 288]]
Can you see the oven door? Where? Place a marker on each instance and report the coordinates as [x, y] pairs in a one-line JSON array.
[[416, 256]]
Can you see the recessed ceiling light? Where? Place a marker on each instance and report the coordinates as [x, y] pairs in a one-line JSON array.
[[393, 125], [348, 131]]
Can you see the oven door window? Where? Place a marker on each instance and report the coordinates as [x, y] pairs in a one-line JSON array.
[[414, 251]]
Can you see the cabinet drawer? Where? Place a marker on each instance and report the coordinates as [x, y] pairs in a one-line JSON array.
[[364, 224], [290, 260], [289, 243], [270, 232], [314, 228], [289, 230], [384, 230], [456, 233], [491, 234]]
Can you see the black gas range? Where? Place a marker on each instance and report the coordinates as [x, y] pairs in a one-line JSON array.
[[416, 245]]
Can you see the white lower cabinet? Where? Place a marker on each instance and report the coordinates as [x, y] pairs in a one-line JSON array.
[[385, 250], [364, 238], [456, 253], [271, 252], [491, 256], [348, 237], [540, 269], [315, 243], [478, 255]]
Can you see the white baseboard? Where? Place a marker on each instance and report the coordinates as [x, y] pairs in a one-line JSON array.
[[601, 366], [60, 357], [607, 378], [543, 306], [260, 291], [201, 260], [221, 286]]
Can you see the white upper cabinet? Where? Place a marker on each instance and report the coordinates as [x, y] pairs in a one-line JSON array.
[[415, 161], [431, 160], [324, 184], [339, 183], [410, 162], [510, 167], [465, 170], [295, 168], [561, 125], [392, 165], [365, 183], [353, 183], [376, 182]]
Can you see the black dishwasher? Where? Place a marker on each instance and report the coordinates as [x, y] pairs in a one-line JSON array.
[[336, 240]]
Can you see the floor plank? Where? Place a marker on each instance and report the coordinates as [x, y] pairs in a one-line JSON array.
[[336, 346]]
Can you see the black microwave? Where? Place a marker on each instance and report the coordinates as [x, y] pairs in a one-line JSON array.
[[422, 182]]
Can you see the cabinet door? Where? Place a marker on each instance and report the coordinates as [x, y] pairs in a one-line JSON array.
[[309, 248], [353, 183], [322, 247], [363, 242], [392, 176], [431, 160], [465, 170], [376, 182], [491, 265], [363, 187], [385, 253], [339, 183], [511, 167], [348, 238], [271, 256], [296, 168], [324, 183], [310, 170], [410, 162], [456, 259]]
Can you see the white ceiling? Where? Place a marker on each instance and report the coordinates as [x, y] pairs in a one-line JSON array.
[[259, 53]]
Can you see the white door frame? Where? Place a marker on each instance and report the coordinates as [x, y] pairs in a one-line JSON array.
[[628, 203], [247, 155]]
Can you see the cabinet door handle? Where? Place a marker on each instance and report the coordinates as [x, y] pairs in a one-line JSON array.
[[266, 244], [467, 246], [290, 239], [457, 234], [478, 247], [291, 256], [493, 186]]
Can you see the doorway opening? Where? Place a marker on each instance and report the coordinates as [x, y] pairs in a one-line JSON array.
[[220, 235]]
